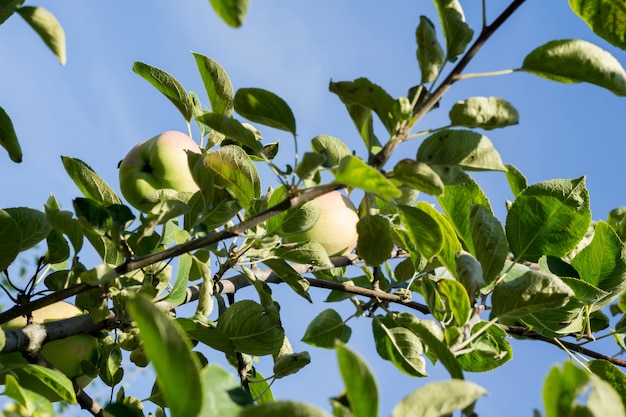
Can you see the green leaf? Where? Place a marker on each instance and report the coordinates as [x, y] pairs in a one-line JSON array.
[[355, 172], [364, 93], [10, 239], [88, 182], [8, 7], [232, 12], [430, 56], [282, 408], [451, 244], [222, 394], [456, 203], [571, 391], [483, 112], [231, 128], [575, 61], [517, 181], [235, 171], [292, 221], [50, 383], [548, 218], [163, 340], [457, 33], [33, 224], [602, 263], [375, 243], [252, 331], [400, 346], [419, 176], [463, 148], [332, 148], [325, 329], [58, 248], [8, 137], [64, 223], [290, 276], [364, 122], [306, 253], [457, 299], [438, 399], [217, 84], [611, 374], [178, 292], [47, 27], [168, 86], [290, 363], [424, 231], [605, 17], [489, 242], [34, 403], [265, 107], [93, 215], [488, 352], [431, 336], [208, 334], [531, 292], [361, 388]]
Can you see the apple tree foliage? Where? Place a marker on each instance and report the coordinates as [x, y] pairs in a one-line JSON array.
[[441, 287]]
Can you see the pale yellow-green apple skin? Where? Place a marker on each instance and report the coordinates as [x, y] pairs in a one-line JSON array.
[[335, 228], [64, 354], [155, 164]]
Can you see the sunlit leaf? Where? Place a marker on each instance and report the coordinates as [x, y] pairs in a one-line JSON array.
[[419, 176], [251, 329], [47, 27], [573, 391], [430, 56], [217, 84], [167, 85], [531, 292], [424, 231], [163, 340], [33, 224], [265, 107], [464, 148], [438, 399], [456, 203], [289, 275], [605, 17], [375, 243], [400, 346], [548, 218], [222, 394], [8, 137], [364, 93], [483, 112], [357, 173], [361, 387], [332, 148], [488, 352], [574, 61], [34, 403], [232, 12], [611, 374], [456, 31], [231, 128], [517, 181], [602, 263], [10, 239], [489, 241], [282, 408], [325, 329], [235, 172]]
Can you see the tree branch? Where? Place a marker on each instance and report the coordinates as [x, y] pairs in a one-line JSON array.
[[381, 157]]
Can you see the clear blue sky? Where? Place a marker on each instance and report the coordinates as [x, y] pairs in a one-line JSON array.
[[95, 108]]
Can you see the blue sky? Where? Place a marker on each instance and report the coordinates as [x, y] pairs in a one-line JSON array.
[[95, 108]]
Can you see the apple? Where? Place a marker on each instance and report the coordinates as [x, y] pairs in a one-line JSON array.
[[335, 228], [64, 354], [158, 163]]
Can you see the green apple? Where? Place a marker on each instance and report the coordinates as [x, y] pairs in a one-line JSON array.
[[64, 354], [335, 228], [158, 163]]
